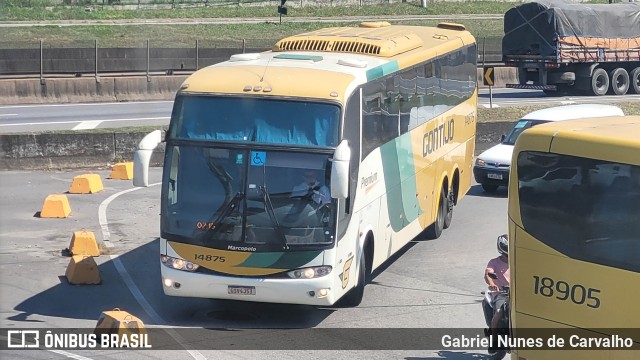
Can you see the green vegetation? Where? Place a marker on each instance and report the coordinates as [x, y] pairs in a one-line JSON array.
[[513, 113], [257, 35], [13, 12], [162, 9], [184, 35]]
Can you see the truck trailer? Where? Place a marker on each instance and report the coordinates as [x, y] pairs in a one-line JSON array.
[[564, 47]]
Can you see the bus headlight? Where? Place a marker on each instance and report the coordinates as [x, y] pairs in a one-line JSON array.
[[310, 272], [480, 162], [177, 263]]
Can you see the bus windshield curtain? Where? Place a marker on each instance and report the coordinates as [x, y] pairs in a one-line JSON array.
[[314, 133], [270, 122]]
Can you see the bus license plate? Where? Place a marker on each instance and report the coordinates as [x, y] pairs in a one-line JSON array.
[[494, 176], [241, 290]]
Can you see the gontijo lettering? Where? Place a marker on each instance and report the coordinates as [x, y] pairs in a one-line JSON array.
[[437, 137]]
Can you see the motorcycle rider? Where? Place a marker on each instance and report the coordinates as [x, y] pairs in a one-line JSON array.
[[500, 267]]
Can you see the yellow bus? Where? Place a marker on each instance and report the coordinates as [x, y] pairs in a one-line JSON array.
[[574, 232], [290, 175]]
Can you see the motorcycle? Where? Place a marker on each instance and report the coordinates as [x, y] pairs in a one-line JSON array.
[[488, 304]]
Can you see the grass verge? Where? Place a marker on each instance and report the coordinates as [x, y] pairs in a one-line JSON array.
[[15, 13], [40, 10], [185, 35], [513, 113]]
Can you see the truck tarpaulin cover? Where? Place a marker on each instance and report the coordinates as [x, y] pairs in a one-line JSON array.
[[534, 27]]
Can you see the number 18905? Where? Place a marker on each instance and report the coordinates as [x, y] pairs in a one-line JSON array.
[[577, 294]]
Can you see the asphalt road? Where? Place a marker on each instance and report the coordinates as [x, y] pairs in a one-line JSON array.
[[35, 118], [431, 284]]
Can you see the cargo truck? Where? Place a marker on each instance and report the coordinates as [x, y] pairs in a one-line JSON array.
[[563, 47]]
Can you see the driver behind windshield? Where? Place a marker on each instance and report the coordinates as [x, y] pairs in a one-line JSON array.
[[310, 188]]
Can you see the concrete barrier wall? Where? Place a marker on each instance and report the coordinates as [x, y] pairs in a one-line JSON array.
[[127, 88], [69, 151], [82, 60], [81, 150], [85, 89], [502, 76]]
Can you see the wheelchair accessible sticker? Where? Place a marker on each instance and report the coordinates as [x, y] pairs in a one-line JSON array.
[[258, 158]]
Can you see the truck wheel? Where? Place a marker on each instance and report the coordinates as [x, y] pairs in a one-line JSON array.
[[599, 82], [619, 81], [634, 80]]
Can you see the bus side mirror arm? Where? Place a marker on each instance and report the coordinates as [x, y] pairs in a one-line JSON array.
[[142, 157], [340, 171]]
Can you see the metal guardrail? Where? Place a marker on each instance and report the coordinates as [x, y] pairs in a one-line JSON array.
[[85, 60]]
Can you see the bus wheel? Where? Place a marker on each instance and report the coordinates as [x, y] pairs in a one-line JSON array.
[[354, 297], [435, 230], [449, 215]]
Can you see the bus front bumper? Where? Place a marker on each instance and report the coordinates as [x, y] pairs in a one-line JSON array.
[[316, 291]]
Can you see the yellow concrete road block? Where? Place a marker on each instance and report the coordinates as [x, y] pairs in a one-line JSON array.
[[82, 269], [122, 171], [84, 243], [86, 184], [55, 206], [118, 321]]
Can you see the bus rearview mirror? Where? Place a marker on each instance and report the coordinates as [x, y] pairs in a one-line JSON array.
[[142, 157], [340, 171]]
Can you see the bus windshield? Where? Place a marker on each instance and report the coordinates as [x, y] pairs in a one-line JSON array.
[[229, 198], [585, 208], [259, 120]]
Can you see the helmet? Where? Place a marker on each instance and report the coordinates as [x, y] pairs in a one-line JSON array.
[[503, 244]]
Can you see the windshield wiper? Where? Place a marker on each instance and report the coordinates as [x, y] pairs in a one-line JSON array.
[[268, 208], [227, 210]]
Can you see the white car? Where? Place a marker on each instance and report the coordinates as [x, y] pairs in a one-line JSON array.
[[491, 169]]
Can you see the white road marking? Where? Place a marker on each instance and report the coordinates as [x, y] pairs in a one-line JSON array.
[[86, 104], [87, 125], [80, 121], [128, 280], [59, 352], [70, 355], [489, 106], [8, 114], [567, 102]]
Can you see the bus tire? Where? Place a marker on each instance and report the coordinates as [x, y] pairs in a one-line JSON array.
[[449, 214], [619, 81], [599, 82], [354, 297], [634, 80], [435, 230]]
